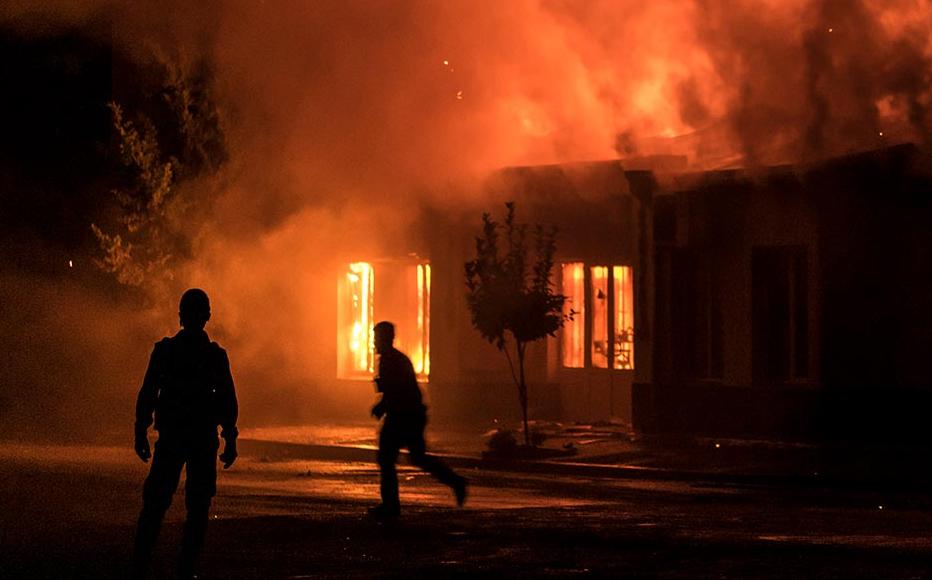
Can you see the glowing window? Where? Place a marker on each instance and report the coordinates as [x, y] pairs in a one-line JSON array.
[[609, 303], [573, 340], [355, 313], [408, 307], [397, 291], [624, 317], [600, 343]]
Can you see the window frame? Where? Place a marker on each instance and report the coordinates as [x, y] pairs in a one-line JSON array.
[[348, 369], [612, 313]]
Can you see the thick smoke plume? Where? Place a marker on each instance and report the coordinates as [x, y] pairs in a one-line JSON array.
[[345, 117]]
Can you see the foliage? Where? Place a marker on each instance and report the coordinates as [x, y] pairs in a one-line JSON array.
[[505, 299], [148, 235]]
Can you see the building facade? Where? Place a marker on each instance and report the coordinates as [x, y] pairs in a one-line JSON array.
[[788, 301]]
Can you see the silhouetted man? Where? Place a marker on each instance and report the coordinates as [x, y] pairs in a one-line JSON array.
[[189, 388], [405, 419]]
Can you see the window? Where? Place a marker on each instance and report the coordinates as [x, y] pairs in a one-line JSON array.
[[624, 317], [573, 339], [397, 291], [602, 299], [355, 311], [780, 330], [698, 323], [599, 344]]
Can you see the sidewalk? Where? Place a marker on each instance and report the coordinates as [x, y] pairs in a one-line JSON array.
[[610, 450]]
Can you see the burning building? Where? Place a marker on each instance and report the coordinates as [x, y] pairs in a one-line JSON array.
[[724, 291], [785, 301], [586, 371]]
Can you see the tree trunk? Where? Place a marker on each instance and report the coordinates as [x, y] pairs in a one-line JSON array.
[[522, 392]]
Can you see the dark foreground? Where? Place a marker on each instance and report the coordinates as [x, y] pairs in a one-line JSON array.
[[69, 513]]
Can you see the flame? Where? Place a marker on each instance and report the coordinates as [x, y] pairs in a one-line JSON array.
[[360, 280], [573, 338], [407, 305]]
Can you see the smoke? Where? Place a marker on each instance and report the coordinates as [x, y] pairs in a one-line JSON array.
[[344, 95], [344, 118], [822, 78], [72, 358]]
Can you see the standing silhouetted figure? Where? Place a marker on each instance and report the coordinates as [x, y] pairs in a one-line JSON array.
[[189, 388], [405, 420]]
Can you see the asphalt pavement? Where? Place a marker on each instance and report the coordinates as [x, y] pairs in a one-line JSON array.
[[68, 512], [612, 450]]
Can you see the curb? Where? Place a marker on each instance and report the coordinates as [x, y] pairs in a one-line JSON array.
[[363, 453]]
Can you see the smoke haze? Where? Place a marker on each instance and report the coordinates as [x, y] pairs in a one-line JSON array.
[[344, 118]]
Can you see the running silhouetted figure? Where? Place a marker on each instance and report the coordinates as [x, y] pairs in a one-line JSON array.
[[405, 419], [189, 389]]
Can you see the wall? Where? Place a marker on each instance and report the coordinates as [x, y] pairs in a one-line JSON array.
[[865, 222]]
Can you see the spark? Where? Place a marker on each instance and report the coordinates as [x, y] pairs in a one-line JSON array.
[[459, 95], [831, 29], [881, 133], [717, 445], [70, 264], [880, 507], [446, 63]]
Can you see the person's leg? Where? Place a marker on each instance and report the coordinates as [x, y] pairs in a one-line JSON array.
[[200, 488], [157, 493], [389, 445], [433, 465]]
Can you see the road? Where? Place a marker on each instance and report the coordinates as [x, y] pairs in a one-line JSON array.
[[68, 512]]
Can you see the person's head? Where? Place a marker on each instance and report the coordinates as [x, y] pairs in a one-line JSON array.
[[194, 309], [384, 336]]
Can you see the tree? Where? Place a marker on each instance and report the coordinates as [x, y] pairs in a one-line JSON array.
[[155, 215], [506, 300]]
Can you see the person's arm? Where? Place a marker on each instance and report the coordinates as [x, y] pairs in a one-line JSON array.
[[227, 410], [145, 404]]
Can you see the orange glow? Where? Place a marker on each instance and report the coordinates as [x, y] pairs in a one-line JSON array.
[[401, 296], [624, 317], [600, 346], [573, 339], [611, 316], [419, 349], [357, 353], [426, 326]]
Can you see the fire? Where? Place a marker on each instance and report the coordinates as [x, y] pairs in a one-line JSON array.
[[359, 284], [420, 343], [400, 294], [574, 332], [611, 298]]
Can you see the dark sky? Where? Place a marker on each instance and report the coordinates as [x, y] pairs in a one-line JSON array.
[[56, 134]]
